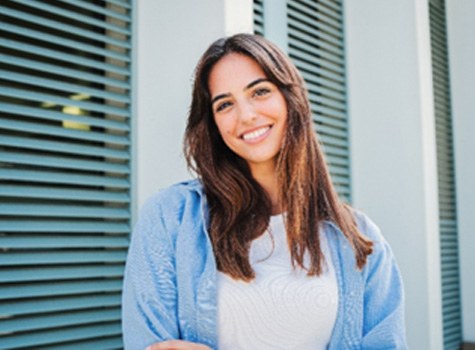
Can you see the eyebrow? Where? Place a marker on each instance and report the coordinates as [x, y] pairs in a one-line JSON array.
[[248, 86]]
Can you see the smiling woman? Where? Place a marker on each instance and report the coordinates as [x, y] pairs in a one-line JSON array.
[[258, 252]]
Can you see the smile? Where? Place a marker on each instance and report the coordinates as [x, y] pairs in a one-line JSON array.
[[254, 135]]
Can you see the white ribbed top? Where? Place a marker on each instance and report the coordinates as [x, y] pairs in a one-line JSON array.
[[282, 308]]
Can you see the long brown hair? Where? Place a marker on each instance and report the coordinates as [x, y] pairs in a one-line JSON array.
[[239, 208]]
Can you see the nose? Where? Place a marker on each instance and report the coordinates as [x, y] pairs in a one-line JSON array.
[[247, 112]]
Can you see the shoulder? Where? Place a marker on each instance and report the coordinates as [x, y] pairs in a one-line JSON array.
[[382, 254], [166, 207], [367, 227]]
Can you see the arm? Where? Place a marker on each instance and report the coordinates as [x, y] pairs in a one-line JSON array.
[[383, 325], [149, 300]]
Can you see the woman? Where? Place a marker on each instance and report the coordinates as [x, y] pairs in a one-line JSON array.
[[259, 252]]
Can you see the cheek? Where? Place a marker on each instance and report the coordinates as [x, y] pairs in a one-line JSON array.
[[225, 127]]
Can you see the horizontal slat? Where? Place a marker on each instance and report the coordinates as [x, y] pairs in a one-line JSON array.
[[314, 85], [49, 289], [61, 257], [333, 113], [29, 191], [24, 16], [73, 211], [104, 11], [309, 13], [49, 242], [332, 43], [343, 192], [122, 3], [336, 152], [114, 342], [339, 171], [312, 75], [58, 40], [62, 162], [313, 69], [329, 12], [60, 320], [64, 147], [59, 55], [313, 48], [336, 6], [67, 72], [324, 101], [330, 131], [41, 97], [59, 131], [326, 31], [73, 15], [317, 61], [302, 41], [26, 307], [340, 162], [63, 178], [29, 339], [42, 113], [23, 274], [329, 141], [70, 226], [339, 122], [63, 87], [341, 180]]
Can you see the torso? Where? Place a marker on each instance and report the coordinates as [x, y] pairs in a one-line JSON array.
[[282, 308]]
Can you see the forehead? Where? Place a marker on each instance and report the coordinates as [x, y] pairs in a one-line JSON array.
[[233, 71]]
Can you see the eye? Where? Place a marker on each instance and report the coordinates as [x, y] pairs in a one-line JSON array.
[[261, 91], [222, 106]]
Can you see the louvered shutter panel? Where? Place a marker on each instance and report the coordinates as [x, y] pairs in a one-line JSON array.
[[258, 17], [65, 126], [316, 45], [446, 179]]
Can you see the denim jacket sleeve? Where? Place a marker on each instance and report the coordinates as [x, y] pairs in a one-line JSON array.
[[383, 316], [149, 300]]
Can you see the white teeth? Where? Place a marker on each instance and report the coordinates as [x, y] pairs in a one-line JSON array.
[[256, 133]]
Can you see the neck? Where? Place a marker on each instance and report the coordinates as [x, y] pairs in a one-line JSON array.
[[266, 176]]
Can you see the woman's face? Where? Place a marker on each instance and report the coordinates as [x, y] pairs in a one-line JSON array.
[[250, 111]]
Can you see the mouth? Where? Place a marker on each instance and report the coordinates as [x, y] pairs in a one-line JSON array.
[[256, 134]]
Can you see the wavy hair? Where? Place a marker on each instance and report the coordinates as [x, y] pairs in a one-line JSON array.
[[239, 208]]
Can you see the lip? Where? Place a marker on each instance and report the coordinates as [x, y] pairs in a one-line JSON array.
[[259, 137]]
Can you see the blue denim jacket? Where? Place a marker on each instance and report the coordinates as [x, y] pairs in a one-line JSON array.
[[170, 280]]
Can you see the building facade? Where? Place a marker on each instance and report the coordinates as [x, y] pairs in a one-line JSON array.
[[93, 102]]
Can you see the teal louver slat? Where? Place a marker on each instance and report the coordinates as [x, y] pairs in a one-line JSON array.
[[451, 309], [65, 171], [64, 27], [55, 289], [58, 55], [316, 45], [70, 73], [58, 40]]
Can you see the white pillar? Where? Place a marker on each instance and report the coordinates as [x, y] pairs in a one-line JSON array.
[[170, 37], [461, 42], [393, 150]]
